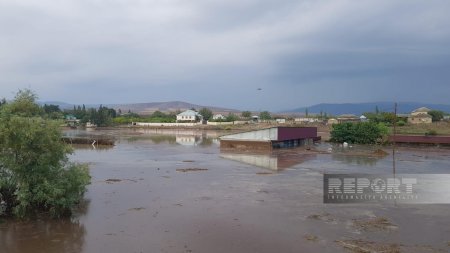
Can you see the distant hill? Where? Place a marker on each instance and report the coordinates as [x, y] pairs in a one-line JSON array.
[[148, 108], [360, 108]]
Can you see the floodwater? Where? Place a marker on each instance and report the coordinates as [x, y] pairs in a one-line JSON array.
[[175, 191]]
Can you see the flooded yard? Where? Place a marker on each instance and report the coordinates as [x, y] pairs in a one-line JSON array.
[[175, 191]]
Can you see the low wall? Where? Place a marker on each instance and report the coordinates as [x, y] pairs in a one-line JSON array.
[[420, 139], [143, 124], [219, 123]]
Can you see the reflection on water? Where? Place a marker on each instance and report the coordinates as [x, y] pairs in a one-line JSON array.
[[357, 159], [358, 155], [180, 139], [273, 160], [42, 235], [91, 147]]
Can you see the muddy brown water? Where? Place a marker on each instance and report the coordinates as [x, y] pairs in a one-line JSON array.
[[229, 201]]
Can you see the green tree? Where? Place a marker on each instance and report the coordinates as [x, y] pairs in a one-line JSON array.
[[265, 115], [25, 104], [358, 133], [382, 117], [246, 114], [206, 113], [53, 111], [437, 115], [231, 117], [158, 114], [36, 175]]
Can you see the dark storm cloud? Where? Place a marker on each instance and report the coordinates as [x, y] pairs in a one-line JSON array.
[[220, 52]]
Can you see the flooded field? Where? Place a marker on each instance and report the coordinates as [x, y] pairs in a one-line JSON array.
[[175, 191]]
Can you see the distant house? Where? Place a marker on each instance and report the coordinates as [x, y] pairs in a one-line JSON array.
[[189, 116], [348, 118], [218, 117], [281, 121], [420, 116], [421, 110], [71, 120], [363, 118], [332, 121]]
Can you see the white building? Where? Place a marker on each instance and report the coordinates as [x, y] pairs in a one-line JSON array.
[[189, 115], [420, 116], [306, 120], [218, 117]]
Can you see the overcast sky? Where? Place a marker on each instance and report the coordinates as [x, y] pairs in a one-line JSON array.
[[220, 52]]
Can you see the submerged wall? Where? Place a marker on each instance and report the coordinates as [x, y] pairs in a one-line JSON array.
[[246, 145]]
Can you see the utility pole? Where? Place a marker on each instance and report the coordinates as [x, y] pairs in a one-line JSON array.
[[394, 139]]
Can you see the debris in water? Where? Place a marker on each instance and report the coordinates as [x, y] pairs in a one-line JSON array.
[[137, 209], [311, 238], [191, 170], [380, 152], [113, 180], [189, 161], [379, 223], [264, 173], [361, 246], [322, 217]]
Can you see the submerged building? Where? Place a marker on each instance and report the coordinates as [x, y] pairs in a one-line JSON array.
[[270, 138]]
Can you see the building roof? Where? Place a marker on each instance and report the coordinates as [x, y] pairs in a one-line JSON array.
[[70, 117], [421, 116], [189, 113], [273, 134], [422, 109], [347, 116]]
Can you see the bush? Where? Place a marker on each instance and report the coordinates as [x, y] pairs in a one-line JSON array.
[[36, 175], [401, 123], [431, 133], [358, 133]]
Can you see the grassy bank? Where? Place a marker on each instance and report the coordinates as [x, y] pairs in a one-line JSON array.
[[441, 128]]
